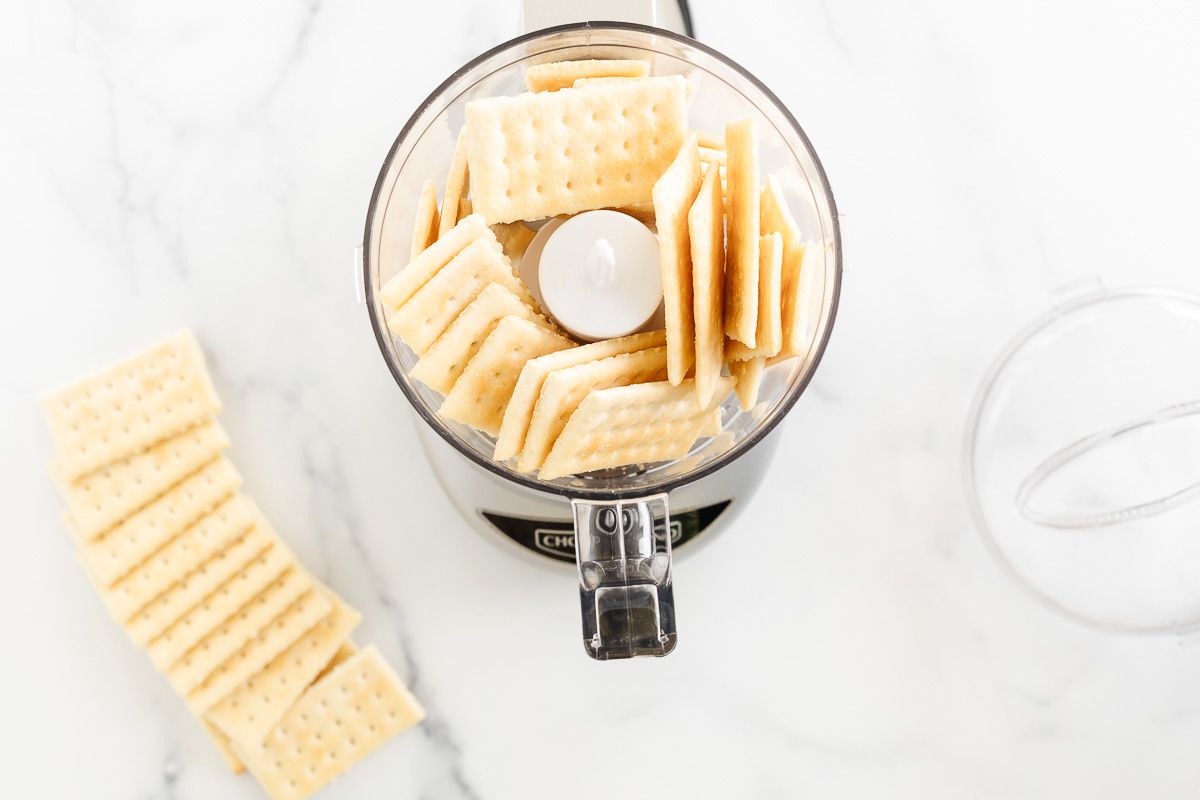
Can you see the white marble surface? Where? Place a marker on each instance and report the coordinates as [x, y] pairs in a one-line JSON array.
[[209, 164]]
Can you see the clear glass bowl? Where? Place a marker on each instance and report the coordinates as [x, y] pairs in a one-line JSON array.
[[1082, 458], [722, 92]]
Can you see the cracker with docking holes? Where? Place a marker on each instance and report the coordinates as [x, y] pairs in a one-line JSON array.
[[166, 609], [208, 537], [769, 333], [517, 414], [130, 406], [100, 500], [741, 260], [281, 633], [674, 194], [248, 713], [445, 360], [706, 232], [638, 424], [114, 554], [249, 618], [538, 155], [456, 185], [207, 616], [482, 391], [749, 374], [405, 283], [340, 719], [425, 226], [421, 320], [197, 575], [555, 75], [563, 390]]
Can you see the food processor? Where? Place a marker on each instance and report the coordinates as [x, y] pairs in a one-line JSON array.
[[619, 527]]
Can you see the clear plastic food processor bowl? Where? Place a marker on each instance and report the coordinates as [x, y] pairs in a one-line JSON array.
[[616, 506]]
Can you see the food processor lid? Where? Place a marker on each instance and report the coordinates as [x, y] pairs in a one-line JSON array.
[[1082, 458]]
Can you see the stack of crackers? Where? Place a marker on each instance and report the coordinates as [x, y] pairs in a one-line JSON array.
[[187, 564], [590, 135], [732, 261]]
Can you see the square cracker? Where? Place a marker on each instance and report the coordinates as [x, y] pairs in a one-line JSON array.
[[131, 405], [749, 375], [245, 623], [248, 713], [538, 155], [777, 218], [425, 225], [706, 232], [405, 283], [100, 500], [741, 265], [421, 320], [482, 391], [117, 552], [563, 390], [456, 184], [207, 538], [181, 597], [770, 322], [445, 360], [289, 627], [555, 75], [517, 414], [223, 603], [674, 194], [637, 424], [340, 719]]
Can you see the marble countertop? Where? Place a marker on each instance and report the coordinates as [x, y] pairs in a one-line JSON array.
[[209, 164]]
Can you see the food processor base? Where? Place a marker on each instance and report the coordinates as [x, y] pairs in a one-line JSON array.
[[539, 526]]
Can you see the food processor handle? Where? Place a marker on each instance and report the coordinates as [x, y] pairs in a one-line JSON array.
[[539, 14], [623, 552]]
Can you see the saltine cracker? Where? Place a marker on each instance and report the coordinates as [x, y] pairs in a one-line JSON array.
[[537, 155], [637, 424], [563, 389], [706, 231], [741, 261], [517, 414], [482, 391], [673, 195]]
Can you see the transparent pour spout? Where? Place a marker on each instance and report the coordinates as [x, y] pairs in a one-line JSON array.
[[624, 557]]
